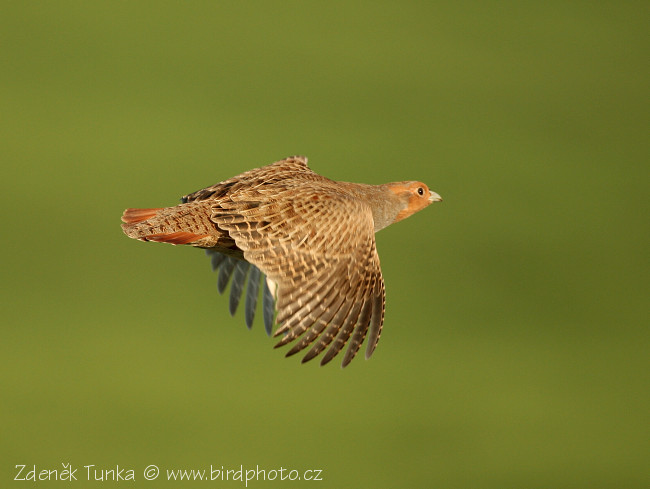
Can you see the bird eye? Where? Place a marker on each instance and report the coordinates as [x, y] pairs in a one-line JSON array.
[[420, 191]]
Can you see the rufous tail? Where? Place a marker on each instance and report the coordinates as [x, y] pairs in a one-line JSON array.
[[182, 224], [132, 216]]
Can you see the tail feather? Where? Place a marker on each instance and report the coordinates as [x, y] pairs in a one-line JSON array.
[[182, 224], [133, 216], [175, 238]]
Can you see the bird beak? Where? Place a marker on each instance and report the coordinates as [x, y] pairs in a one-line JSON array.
[[434, 197]]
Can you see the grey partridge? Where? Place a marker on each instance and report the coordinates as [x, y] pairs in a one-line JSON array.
[[312, 237]]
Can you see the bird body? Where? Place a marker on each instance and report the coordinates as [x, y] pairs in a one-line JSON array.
[[312, 237]]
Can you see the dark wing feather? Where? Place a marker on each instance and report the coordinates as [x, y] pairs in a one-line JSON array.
[[244, 276], [237, 285], [225, 272], [251, 294], [268, 308]]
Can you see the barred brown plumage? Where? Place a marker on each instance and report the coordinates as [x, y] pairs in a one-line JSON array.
[[312, 237]]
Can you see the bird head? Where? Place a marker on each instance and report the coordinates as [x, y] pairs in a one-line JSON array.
[[415, 196]]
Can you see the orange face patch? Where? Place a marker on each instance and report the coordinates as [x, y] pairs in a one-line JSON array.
[[414, 194]]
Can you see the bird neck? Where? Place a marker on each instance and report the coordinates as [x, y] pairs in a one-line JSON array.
[[385, 204]]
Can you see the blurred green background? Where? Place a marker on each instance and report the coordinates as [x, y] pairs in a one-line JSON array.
[[514, 353]]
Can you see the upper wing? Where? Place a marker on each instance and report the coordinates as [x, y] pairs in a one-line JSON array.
[[318, 245], [275, 172], [240, 273]]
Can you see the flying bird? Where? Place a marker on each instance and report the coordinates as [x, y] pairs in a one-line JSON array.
[[308, 240]]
